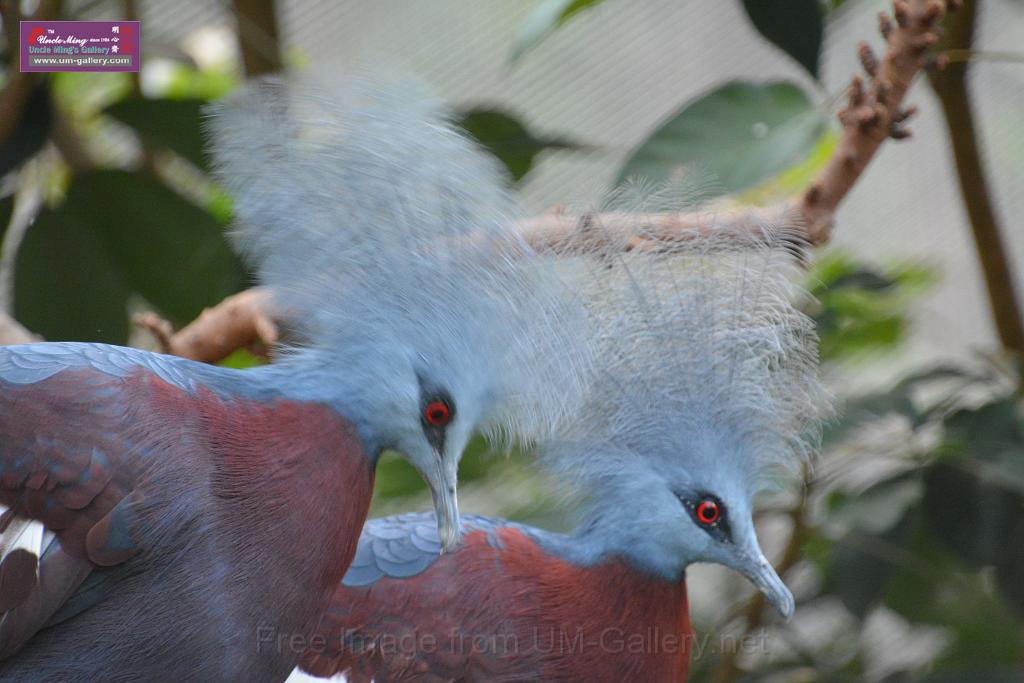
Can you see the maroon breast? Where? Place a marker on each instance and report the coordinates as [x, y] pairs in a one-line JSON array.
[[502, 607]]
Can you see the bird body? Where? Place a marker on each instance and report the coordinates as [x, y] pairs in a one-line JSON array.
[[512, 603], [151, 470]]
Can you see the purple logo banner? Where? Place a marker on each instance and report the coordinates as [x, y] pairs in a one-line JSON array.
[[80, 46]]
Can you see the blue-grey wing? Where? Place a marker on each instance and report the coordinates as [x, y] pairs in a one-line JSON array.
[[33, 363], [405, 545]]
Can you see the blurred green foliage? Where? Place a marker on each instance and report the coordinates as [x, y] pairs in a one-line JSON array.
[[795, 26], [860, 309], [742, 133], [173, 124], [508, 139]]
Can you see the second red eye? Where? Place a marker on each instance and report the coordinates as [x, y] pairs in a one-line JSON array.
[[437, 413], [708, 512]]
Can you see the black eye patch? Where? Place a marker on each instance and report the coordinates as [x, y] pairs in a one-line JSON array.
[[437, 410], [709, 513]]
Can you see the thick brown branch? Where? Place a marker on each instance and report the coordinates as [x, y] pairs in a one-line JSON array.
[[240, 321], [556, 230], [951, 87]]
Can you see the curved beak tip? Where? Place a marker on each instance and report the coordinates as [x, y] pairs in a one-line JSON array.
[[449, 525], [450, 539], [761, 572], [784, 604]]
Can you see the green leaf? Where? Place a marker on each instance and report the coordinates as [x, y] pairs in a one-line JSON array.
[[546, 16], [395, 478], [1010, 565], [864, 279], [742, 132], [880, 507], [795, 179], [172, 123], [862, 564], [65, 285], [930, 588], [164, 247], [861, 410], [979, 515], [992, 431], [508, 139], [795, 26], [975, 517], [209, 83], [877, 524], [861, 309]]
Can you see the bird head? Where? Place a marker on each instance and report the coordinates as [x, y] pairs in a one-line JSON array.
[[707, 391], [670, 516], [388, 238], [423, 411]]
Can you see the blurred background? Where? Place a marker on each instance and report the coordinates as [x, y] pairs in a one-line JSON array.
[[905, 544]]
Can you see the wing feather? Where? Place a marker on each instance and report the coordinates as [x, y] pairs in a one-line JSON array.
[[74, 460]]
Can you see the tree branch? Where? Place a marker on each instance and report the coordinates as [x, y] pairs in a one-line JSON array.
[[258, 37], [874, 110], [240, 321], [950, 86], [556, 229]]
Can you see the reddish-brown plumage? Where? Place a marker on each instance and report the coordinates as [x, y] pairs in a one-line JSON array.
[[250, 506], [505, 609], [285, 470]]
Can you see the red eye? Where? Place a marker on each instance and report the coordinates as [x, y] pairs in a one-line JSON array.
[[437, 413], [708, 512]]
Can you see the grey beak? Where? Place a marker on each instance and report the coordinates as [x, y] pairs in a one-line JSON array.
[[442, 482], [763, 575], [449, 526]]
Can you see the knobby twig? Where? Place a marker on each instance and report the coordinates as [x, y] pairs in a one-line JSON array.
[[243, 320], [874, 110], [950, 85]]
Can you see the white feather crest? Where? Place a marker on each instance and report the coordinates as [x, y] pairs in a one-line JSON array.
[[703, 351], [375, 221]]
